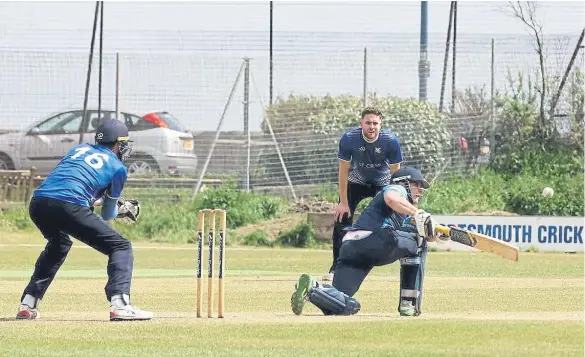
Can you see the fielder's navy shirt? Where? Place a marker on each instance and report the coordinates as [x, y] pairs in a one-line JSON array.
[[370, 159]]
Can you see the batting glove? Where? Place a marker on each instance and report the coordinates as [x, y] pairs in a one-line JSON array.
[[425, 224]]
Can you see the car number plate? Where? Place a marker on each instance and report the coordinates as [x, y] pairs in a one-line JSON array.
[[188, 144]]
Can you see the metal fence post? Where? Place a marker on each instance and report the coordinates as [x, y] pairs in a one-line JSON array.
[[247, 120]]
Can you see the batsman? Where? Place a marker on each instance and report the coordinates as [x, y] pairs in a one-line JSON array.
[[390, 228]]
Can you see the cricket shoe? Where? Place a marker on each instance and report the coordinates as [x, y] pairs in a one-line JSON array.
[[406, 308], [26, 312], [301, 294], [128, 313]]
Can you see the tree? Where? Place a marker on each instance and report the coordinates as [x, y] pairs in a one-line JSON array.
[[526, 12]]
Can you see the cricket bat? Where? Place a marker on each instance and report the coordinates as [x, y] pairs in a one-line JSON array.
[[480, 241]]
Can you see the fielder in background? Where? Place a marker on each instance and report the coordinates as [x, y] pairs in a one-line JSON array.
[[383, 234], [367, 157], [63, 205]]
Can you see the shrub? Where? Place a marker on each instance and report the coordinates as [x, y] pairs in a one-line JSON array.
[[257, 238], [481, 193], [524, 195], [163, 222], [519, 193], [535, 168], [526, 143], [243, 207], [177, 221], [301, 236]]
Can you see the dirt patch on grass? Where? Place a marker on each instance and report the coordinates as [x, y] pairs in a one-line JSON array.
[[297, 213]]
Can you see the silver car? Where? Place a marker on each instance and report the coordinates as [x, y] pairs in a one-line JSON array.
[[160, 144]]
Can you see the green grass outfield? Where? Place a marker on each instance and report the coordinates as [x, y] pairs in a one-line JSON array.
[[475, 304]]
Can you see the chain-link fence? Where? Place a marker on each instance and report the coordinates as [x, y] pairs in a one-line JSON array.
[[202, 87]]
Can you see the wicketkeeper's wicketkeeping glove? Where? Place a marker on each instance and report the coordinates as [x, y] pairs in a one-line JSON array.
[[128, 211]]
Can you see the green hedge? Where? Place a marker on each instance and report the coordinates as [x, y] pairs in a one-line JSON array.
[[524, 195], [516, 185], [520, 194], [481, 193], [244, 207]]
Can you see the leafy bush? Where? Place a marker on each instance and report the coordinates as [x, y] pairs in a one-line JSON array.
[[177, 221], [301, 236], [257, 238], [481, 193], [577, 108], [552, 161], [243, 207], [524, 195], [329, 193], [523, 140], [532, 154], [559, 167], [519, 193], [163, 222]]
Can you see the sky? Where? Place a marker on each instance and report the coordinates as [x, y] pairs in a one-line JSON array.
[[184, 56], [488, 17]]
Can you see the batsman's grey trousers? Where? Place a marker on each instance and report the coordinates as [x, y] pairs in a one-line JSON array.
[[57, 220], [358, 257]]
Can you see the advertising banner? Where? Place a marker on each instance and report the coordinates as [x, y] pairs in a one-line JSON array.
[[544, 233]]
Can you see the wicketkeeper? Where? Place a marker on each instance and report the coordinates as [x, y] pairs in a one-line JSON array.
[[390, 228], [62, 206]]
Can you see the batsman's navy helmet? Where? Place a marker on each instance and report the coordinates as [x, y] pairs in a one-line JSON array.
[[407, 174], [111, 131]]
